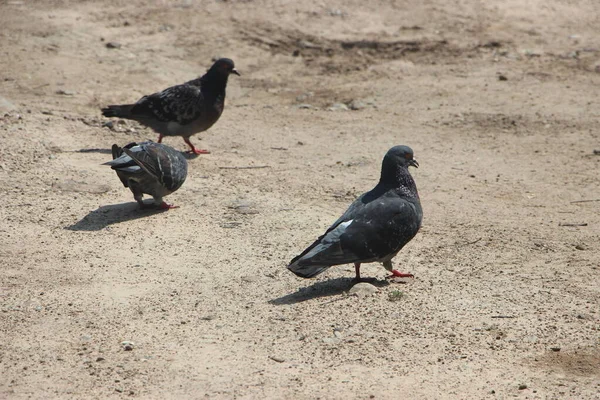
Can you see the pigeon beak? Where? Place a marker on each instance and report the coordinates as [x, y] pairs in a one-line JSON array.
[[414, 163], [234, 71]]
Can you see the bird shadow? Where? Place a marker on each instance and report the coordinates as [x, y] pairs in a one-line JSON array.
[[112, 214], [190, 155], [101, 151], [328, 288]]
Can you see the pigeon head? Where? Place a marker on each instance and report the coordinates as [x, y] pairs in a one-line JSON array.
[[223, 67], [396, 163], [401, 155]]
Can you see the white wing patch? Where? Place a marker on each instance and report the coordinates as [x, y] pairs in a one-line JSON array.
[[346, 224]]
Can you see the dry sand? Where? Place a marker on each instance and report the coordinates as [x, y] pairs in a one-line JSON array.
[[498, 99]]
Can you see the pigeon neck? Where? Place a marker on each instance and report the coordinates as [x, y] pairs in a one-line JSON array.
[[397, 177], [214, 82]]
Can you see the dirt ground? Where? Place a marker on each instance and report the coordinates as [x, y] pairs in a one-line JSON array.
[[498, 99]]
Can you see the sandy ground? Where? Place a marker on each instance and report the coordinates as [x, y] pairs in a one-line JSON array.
[[498, 99]]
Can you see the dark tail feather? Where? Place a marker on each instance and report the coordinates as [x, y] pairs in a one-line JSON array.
[[116, 151], [121, 111], [307, 271]]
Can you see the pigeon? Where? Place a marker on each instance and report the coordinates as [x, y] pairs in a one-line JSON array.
[[375, 227], [150, 168], [182, 110]]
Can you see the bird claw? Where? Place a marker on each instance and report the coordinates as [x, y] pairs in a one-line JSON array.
[[165, 206], [398, 274], [200, 151]]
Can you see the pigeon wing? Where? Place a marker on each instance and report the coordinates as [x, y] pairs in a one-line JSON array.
[[181, 103], [367, 232], [163, 163]]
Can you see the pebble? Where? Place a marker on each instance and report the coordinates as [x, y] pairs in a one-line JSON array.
[[277, 359], [304, 96], [127, 345], [356, 105], [113, 45], [522, 386], [332, 340], [556, 349], [363, 289], [304, 106], [338, 107]]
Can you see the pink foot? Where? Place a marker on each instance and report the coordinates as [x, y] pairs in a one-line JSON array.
[[399, 274], [194, 149], [199, 151], [165, 206]]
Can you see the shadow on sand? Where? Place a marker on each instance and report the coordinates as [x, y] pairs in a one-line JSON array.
[[101, 151], [328, 288], [112, 214]]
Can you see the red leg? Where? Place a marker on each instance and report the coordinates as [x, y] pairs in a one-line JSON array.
[[160, 138], [357, 270], [194, 149], [401, 275]]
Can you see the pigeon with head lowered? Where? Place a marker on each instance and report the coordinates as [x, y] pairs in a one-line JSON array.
[[149, 168], [182, 110], [375, 227]]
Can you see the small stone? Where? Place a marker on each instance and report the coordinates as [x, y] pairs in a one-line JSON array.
[[331, 340], [363, 289], [108, 124], [304, 106], [65, 92], [502, 77], [555, 349], [338, 107], [304, 96], [356, 105], [113, 45], [522, 386], [127, 345], [99, 359], [277, 359], [579, 247]]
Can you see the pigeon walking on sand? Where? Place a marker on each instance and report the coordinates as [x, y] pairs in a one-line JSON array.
[[182, 110], [149, 168], [375, 227]]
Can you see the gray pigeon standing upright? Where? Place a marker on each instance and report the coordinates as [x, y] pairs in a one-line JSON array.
[[149, 168], [182, 110], [376, 225]]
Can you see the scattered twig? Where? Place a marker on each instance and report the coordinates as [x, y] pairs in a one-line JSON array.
[[584, 201], [567, 224], [247, 167], [469, 243], [503, 316], [278, 148]]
